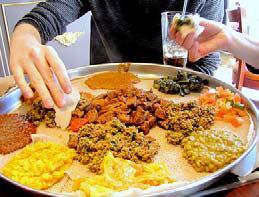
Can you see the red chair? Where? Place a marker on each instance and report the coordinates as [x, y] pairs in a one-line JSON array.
[[241, 77]]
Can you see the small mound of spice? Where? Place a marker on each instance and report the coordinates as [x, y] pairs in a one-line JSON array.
[[113, 80]]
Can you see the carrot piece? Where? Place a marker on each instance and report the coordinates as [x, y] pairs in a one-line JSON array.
[[77, 123]]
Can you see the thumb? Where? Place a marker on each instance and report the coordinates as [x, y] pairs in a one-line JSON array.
[[201, 49], [193, 53]]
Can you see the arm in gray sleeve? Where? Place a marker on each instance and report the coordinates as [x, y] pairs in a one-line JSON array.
[[51, 17], [212, 10]]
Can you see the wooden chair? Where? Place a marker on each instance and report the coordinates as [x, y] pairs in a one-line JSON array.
[[241, 77]]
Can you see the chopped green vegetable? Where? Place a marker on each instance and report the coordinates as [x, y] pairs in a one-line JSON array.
[[186, 21], [182, 83], [238, 105]]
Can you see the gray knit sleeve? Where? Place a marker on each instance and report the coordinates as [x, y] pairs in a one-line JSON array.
[[212, 10], [51, 17]]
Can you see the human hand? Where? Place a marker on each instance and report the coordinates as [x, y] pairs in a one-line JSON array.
[[41, 63], [214, 37]]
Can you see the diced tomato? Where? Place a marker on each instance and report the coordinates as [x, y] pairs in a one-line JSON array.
[[232, 112], [234, 120], [221, 113], [208, 98], [211, 100], [237, 122], [223, 92], [227, 104], [228, 118], [237, 98], [240, 112], [77, 123], [219, 118]]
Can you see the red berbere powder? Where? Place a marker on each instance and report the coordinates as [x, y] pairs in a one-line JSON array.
[[112, 80], [15, 132]]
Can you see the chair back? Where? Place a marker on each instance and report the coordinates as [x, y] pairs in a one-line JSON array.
[[241, 75], [237, 18]]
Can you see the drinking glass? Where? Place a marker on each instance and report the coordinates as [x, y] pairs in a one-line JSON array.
[[173, 54]]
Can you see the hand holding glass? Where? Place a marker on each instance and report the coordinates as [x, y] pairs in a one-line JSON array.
[[173, 54]]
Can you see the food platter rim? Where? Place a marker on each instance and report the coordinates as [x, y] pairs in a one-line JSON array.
[[28, 189], [78, 71]]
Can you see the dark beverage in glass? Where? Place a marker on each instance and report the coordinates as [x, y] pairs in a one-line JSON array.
[[175, 61]]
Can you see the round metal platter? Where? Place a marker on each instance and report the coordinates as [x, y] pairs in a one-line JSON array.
[[242, 166]]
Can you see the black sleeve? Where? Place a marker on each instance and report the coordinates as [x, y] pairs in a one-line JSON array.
[[51, 17], [212, 10]]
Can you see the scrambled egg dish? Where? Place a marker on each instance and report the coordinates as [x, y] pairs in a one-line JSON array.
[[39, 165], [119, 174]]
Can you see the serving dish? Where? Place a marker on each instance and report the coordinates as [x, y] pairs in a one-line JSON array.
[[242, 166]]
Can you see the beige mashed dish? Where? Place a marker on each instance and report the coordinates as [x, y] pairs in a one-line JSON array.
[[129, 142]]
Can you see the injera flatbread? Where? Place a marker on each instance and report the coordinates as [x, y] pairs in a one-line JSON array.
[[180, 169]]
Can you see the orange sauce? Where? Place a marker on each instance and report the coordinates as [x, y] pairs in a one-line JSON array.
[[112, 80]]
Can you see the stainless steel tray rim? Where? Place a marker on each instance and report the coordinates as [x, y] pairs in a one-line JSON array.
[[81, 71]]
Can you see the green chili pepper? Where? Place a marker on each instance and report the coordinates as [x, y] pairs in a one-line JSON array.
[[238, 105]]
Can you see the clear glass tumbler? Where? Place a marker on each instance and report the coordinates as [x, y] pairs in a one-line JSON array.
[[173, 54]]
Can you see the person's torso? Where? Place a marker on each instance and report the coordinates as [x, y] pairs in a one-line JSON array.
[[130, 30]]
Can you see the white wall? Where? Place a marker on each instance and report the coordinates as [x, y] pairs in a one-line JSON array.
[[253, 17], [252, 7]]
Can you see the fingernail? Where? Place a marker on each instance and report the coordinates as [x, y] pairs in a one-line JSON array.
[[62, 102], [28, 94], [48, 103], [68, 89]]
